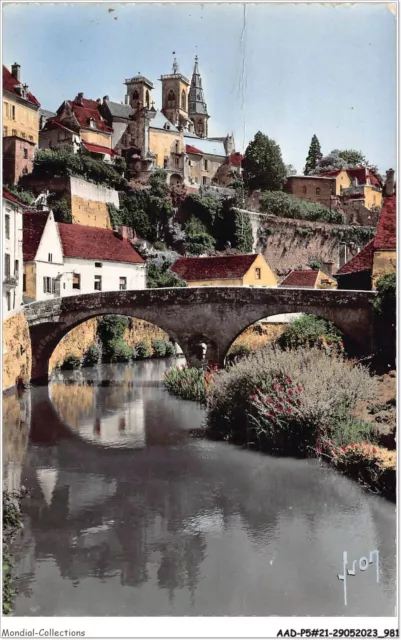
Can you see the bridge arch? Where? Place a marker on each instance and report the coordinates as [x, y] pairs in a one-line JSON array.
[[214, 315]]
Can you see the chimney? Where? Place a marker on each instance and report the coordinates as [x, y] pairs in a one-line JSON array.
[[327, 268], [79, 99], [389, 185], [15, 70], [105, 99], [98, 101], [126, 232]]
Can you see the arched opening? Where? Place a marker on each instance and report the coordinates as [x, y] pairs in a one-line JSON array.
[[171, 100], [175, 179], [183, 101], [289, 330], [134, 96], [147, 99]]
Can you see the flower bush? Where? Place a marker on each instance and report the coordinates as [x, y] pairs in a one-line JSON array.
[[280, 399], [190, 383]]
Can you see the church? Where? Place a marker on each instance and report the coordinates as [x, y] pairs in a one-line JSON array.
[[173, 138]]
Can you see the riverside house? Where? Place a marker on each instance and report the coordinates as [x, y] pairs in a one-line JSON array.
[[71, 259], [236, 270], [12, 247]]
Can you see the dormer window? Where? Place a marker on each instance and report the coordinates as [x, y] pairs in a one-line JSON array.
[[91, 123]]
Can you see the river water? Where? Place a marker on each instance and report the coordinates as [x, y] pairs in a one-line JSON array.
[[131, 513]]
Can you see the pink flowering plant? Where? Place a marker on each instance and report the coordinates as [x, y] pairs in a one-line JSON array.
[[190, 383]]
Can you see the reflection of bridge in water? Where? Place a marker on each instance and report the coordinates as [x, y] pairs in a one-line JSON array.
[[154, 515], [215, 316]]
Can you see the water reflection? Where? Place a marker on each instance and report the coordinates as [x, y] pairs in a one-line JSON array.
[[130, 516]]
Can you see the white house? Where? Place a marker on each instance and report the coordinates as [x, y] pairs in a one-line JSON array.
[[72, 259], [12, 250]]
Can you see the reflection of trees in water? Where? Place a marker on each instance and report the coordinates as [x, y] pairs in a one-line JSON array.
[[73, 403], [16, 421]]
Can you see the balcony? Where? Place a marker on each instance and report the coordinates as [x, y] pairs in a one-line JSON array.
[[10, 282]]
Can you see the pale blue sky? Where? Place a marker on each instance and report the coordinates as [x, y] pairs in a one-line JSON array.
[[287, 70]]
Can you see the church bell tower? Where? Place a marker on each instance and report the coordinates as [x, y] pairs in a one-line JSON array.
[[175, 97], [197, 106]]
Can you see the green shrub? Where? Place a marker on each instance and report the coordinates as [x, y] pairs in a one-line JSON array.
[[62, 162], [71, 362], [143, 350], [159, 348], [111, 328], [310, 331], [189, 383], [285, 400], [386, 287], [91, 357], [284, 205], [170, 350], [118, 351], [11, 525]]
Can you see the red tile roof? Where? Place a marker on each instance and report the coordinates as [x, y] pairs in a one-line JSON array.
[[10, 196], [190, 149], [33, 226], [93, 243], [10, 84], [89, 110], [236, 159], [355, 172], [363, 261], [213, 268], [300, 278], [53, 124], [386, 227], [97, 148]]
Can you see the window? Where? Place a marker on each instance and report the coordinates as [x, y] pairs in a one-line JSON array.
[[16, 268], [25, 171], [24, 282], [177, 146], [318, 191], [147, 99], [204, 180], [25, 154], [5, 131], [205, 165], [165, 163], [91, 123], [303, 189], [23, 134], [76, 280], [48, 285], [257, 274], [135, 95], [171, 99], [123, 284], [7, 264], [30, 138], [7, 222], [7, 109], [50, 257], [98, 283], [8, 296], [183, 101], [12, 112], [14, 132], [177, 162], [98, 264]]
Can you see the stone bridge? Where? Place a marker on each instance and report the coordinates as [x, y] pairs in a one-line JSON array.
[[214, 315]]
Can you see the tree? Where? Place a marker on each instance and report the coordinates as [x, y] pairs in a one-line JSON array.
[[353, 158], [159, 273], [198, 239], [314, 155], [291, 170], [263, 164]]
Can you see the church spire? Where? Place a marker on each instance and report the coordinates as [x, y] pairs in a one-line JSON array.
[[197, 105]]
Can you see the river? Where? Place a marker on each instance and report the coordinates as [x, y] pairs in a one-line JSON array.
[[131, 513]]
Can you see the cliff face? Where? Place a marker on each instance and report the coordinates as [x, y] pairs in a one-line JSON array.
[[17, 355]]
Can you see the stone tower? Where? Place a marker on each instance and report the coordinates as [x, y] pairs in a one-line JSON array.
[[197, 105], [139, 91], [175, 97]]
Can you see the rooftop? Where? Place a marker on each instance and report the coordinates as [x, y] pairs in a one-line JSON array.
[[139, 79], [301, 278], [386, 233], [10, 196], [94, 243], [159, 121], [33, 227], [206, 145], [118, 110], [11, 84], [214, 268], [86, 110], [363, 261]]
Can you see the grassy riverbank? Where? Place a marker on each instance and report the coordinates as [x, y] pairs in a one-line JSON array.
[[302, 402], [11, 525]]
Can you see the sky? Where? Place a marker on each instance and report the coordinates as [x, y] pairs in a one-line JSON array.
[[288, 70]]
